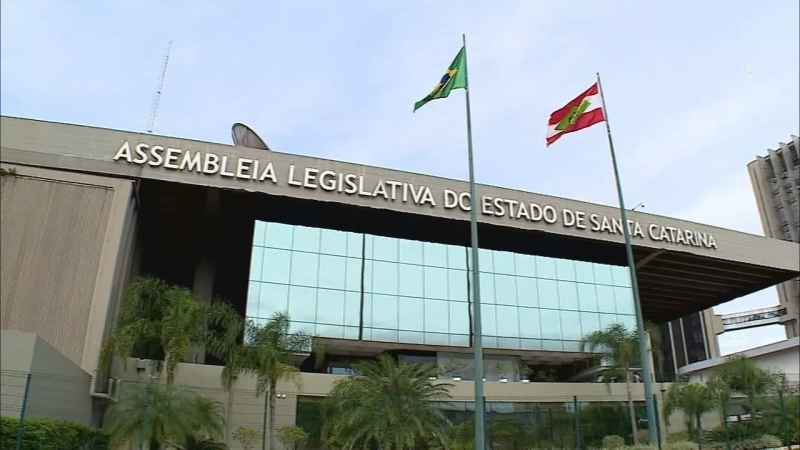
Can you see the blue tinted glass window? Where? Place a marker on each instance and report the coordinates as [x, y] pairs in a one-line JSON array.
[[565, 270], [568, 295], [602, 274], [571, 325], [435, 254], [486, 261], [584, 272], [256, 257], [507, 321], [607, 319], [527, 292], [416, 292], [457, 285], [456, 257], [352, 310], [330, 307], [525, 265], [590, 322], [306, 239], [305, 269], [624, 299], [529, 324], [437, 318], [504, 263], [412, 280], [384, 249], [332, 272], [259, 230], [253, 290], [275, 265], [272, 298], [384, 277], [587, 297], [354, 245], [628, 321], [436, 283], [411, 313], [278, 235], [384, 311], [545, 268], [487, 288], [505, 290], [333, 242], [548, 293], [605, 299], [489, 319], [459, 318], [353, 282], [621, 276], [411, 252], [302, 304], [551, 323]]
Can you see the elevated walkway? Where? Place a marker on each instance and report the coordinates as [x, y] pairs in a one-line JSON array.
[[753, 318]]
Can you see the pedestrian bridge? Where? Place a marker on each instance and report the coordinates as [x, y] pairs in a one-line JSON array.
[[743, 320]]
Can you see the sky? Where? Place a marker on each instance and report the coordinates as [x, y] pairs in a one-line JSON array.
[[694, 90]]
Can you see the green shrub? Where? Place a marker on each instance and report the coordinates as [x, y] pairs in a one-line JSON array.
[[643, 436], [42, 434], [685, 445], [680, 436], [613, 441]]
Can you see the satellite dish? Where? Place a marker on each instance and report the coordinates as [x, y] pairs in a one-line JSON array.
[[244, 136]]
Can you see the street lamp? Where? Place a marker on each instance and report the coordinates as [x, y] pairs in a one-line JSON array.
[[640, 205]]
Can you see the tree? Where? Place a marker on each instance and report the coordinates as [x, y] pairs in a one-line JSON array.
[[247, 437], [739, 374], [164, 319], [266, 354], [620, 347], [694, 400], [164, 415], [388, 404], [293, 437]]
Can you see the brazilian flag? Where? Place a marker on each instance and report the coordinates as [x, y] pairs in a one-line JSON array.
[[454, 78]]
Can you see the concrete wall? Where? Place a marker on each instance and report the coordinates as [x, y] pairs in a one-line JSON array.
[[63, 236], [57, 388]]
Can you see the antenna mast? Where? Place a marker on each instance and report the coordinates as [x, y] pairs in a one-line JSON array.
[[154, 106]]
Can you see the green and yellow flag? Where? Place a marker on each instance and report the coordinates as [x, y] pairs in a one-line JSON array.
[[454, 78]]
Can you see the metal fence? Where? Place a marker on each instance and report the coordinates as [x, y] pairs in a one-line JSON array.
[[35, 406]]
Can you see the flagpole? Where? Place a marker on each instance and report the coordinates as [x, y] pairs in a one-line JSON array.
[[477, 341], [646, 371]]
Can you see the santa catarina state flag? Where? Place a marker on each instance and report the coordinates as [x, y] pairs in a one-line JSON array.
[[582, 112]]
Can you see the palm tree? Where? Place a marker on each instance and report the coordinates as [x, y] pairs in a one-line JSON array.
[[620, 347], [266, 354], [694, 400], [163, 415], [387, 404], [164, 319]]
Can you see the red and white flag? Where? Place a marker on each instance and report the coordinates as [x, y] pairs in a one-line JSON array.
[[582, 112]]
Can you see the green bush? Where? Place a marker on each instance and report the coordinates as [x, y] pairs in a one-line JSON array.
[[673, 446], [680, 436], [613, 441], [43, 434], [759, 443]]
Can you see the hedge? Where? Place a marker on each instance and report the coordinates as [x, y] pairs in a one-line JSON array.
[[46, 434]]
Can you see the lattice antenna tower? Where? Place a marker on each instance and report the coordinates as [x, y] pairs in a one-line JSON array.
[[154, 106]]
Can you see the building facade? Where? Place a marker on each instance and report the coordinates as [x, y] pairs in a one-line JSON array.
[[370, 260], [776, 184]]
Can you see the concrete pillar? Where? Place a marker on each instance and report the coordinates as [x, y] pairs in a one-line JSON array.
[[203, 287]]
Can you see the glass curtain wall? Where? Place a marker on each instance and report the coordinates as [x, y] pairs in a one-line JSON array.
[[349, 286]]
